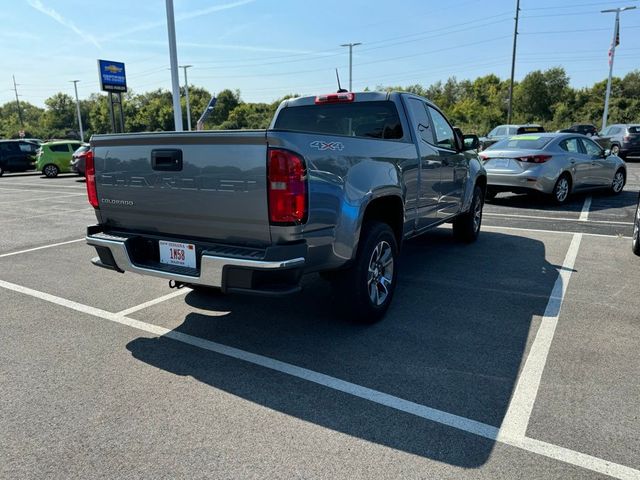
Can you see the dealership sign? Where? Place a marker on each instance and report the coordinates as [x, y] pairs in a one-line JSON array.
[[112, 76]]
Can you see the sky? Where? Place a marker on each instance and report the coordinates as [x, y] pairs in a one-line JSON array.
[[270, 48]]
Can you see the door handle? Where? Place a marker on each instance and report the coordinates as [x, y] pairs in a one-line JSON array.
[[166, 160]]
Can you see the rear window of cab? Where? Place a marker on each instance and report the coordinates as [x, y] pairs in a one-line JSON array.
[[359, 119], [634, 129], [522, 142]]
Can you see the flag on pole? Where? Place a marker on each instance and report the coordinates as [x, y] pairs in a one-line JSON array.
[[616, 40]]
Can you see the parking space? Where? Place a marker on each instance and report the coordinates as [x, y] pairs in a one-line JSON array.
[[514, 356]]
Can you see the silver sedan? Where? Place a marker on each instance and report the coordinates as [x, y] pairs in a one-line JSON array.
[[556, 164]]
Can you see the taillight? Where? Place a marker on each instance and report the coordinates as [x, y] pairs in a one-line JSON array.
[[626, 138], [534, 158], [336, 98], [287, 178], [90, 175]]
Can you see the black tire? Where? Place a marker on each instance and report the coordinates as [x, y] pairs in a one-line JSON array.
[[562, 189], [466, 226], [363, 296], [635, 243], [618, 182], [50, 171], [615, 149]]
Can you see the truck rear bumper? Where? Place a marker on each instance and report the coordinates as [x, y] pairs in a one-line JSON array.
[[274, 272]]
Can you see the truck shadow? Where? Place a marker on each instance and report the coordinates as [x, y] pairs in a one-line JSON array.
[[453, 340]]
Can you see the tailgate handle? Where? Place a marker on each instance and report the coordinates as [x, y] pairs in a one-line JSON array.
[[166, 160]]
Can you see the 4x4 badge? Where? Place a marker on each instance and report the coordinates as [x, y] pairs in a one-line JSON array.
[[321, 145]]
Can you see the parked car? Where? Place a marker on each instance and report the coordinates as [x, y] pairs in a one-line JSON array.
[[335, 185], [55, 157], [505, 131], [556, 164], [582, 128], [16, 156], [77, 164], [636, 231], [622, 139]]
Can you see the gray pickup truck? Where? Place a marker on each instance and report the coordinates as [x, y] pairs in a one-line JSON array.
[[334, 185]]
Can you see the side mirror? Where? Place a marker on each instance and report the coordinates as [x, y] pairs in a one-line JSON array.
[[606, 153], [471, 142]]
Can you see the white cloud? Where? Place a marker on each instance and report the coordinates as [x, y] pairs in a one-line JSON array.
[[51, 13]]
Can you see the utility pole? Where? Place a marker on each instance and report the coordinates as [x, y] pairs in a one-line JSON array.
[[75, 87], [612, 54], [350, 45], [186, 92], [173, 57], [15, 89], [513, 63]]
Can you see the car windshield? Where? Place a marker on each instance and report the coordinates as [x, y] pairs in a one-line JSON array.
[[522, 142], [82, 149]]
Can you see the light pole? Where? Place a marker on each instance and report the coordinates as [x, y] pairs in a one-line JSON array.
[[15, 89], [350, 45], [612, 54], [513, 63], [186, 92], [75, 87], [173, 58]]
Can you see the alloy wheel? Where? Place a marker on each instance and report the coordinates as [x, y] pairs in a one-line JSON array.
[[562, 189], [618, 182], [380, 273]]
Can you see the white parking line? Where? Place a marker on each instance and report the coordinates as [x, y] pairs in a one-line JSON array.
[[455, 421], [584, 214], [48, 214], [561, 232], [524, 395], [155, 301], [39, 190], [40, 248], [559, 219], [62, 195], [46, 184]]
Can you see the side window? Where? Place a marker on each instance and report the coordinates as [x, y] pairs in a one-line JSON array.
[[62, 147], [614, 131], [500, 132], [591, 148], [445, 137], [492, 133], [419, 114], [512, 131], [570, 145]]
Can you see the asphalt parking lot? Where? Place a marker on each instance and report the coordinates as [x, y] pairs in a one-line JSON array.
[[516, 356]]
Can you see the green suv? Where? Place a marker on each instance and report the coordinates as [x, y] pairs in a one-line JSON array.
[[55, 157]]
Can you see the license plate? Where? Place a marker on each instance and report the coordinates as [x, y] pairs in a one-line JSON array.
[[175, 253], [500, 163]]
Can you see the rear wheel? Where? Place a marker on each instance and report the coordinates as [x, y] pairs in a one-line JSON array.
[[636, 232], [619, 179], [561, 189], [51, 171], [615, 150], [365, 290], [466, 226]]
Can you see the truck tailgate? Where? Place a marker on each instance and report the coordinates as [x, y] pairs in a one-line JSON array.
[[209, 185]]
